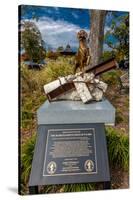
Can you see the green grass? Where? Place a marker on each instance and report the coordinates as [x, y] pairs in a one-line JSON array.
[[118, 148], [33, 80], [27, 150], [119, 117], [112, 77], [81, 187]]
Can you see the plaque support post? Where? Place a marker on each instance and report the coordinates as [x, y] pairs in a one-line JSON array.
[[106, 185], [33, 189]]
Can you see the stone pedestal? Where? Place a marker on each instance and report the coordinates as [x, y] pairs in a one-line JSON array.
[[74, 112]]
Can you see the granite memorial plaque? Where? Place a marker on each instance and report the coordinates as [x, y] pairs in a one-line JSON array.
[[70, 153]]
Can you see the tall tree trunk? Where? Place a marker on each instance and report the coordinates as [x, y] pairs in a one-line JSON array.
[[97, 20]]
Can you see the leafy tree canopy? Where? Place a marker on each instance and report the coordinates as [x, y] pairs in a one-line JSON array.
[[117, 38], [31, 41], [60, 48]]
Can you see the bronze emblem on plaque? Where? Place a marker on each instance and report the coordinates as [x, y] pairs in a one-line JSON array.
[[89, 165], [51, 168]]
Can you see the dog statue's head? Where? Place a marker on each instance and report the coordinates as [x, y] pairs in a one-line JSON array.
[[82, 35]]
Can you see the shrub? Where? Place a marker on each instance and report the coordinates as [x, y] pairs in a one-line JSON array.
[[26, 158], [112, 77], [61, 67], [118, 148], [78, 187], [52, 55], [119, 117], [32, 80]]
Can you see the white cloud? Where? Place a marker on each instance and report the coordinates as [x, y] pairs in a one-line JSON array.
[[58, 33]]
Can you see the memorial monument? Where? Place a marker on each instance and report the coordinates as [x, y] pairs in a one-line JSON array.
[[71, 142]]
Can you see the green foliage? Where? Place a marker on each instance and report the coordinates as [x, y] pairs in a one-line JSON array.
[[28, 109], [60, 68], [52, 55], [117, 38], [107, 55], [118, 148], [50, 189], [31, 80], [34, 80], [31, 41], [119, 117], [26, 157], [112, 77], [81, 187], [60, 48]]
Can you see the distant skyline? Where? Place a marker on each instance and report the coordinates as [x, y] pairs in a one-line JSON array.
[[59, 26]]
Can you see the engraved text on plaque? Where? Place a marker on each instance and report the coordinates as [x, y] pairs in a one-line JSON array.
[[70, 152]]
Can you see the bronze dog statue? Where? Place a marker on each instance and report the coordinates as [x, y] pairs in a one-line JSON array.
[[82, 57]]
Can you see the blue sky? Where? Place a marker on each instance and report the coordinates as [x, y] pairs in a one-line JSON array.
[[59, 26]]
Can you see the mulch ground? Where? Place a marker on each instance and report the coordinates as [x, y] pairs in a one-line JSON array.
[[119, 179]]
